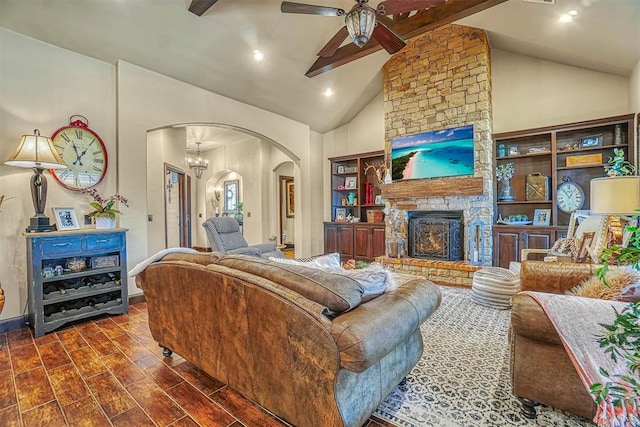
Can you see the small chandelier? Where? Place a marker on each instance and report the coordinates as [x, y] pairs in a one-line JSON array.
[[361, 21], [198, 166]]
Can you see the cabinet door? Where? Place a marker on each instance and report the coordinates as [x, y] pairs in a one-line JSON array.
[[506, 247], [345, 241], [363, 242], [378, 242], [538, 239], [330, 238]]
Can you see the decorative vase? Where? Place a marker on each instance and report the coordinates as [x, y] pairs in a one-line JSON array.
[[103, 222], [506, 193], [239, 217], [617, 135]]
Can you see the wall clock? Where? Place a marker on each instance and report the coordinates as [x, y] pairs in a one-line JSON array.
[[570, 196], [84, 153]]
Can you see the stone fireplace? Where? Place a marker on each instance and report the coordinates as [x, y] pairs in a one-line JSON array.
[[437, 235], [442, 80]]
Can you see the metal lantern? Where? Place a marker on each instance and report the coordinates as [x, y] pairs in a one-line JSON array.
[[475, 242]]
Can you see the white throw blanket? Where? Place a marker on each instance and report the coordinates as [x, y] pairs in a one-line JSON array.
[[578, 323], [139, 268]]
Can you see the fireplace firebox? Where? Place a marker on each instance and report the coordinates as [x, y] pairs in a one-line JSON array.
[[437, 235]]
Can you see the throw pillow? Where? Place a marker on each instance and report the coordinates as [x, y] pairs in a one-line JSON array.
[[623, 282], [568, 246], [322, 261], [374, 279]]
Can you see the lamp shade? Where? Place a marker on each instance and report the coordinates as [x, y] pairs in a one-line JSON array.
[[360, 23], [36, 151], [616, 195]]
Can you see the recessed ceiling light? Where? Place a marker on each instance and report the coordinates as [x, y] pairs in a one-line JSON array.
[[328, 92], [257, 55], [572, 12], [566, 18]]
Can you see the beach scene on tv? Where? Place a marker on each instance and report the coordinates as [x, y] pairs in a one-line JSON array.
[[447, 152]]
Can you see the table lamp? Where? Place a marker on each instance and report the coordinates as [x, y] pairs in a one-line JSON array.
[[38, 153], [616, 195]]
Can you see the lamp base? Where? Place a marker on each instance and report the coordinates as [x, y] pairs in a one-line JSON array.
[[39, 223]]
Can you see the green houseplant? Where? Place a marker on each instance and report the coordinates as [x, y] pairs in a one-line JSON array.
[[621, 340], [104, 212], [617, 165]]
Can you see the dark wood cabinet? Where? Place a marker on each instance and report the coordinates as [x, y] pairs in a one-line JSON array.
[[509, 241], [359, 241], [571, 152]]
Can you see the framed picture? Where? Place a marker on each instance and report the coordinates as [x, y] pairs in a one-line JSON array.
[[591, 141], [289, 198], [542, 217], [66, 218], [340, 168], [585, 244], [514, 150], [341, 214], [378, 200], [351, 182]]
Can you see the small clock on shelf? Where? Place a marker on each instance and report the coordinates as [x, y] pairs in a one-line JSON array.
[[84, 153], [570, 196]]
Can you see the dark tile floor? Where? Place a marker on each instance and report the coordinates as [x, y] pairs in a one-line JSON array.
[[110, 372]]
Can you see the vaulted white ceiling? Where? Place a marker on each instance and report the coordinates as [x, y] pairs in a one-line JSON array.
[[215, 51]]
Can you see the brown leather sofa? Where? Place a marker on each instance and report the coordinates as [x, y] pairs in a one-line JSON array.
[[257, 326], [541, 371]]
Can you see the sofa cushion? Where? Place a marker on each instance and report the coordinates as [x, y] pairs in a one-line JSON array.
[[338, 293]]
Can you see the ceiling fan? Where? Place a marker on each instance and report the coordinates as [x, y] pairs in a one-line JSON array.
[[363, 22]]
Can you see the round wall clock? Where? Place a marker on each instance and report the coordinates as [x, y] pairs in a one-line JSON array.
[[84, 153], [570, 196]]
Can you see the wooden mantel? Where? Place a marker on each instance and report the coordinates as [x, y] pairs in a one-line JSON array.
[[438, 187]]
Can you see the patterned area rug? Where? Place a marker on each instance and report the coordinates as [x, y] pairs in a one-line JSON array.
[[463, 377]]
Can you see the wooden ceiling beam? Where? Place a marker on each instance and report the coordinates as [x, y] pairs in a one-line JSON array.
[[417, 24], [199, 7]]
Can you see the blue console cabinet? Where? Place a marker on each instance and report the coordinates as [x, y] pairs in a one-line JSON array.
[[75, 275]]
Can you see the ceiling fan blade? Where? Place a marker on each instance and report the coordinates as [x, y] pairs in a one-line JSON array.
[[330, 48], [290, 7], [395, 7], [387, 38]]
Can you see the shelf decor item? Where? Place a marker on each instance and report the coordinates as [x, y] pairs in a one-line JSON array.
[[537, 187], [104, 213], [66, 218], [542, 217], [584, 160], [351, 182], [504, 173], [591, 141], [617, 165]]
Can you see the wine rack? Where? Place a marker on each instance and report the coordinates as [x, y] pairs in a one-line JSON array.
[[75, 275]]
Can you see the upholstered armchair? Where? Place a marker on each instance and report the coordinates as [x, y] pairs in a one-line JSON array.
[[225, 236]]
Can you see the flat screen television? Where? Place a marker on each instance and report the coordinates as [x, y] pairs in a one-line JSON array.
[[435, 154]]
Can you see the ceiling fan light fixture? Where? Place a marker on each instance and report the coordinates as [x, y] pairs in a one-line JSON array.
[[361, 21]]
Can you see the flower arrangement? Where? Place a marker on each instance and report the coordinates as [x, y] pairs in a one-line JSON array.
[[104, 207], [617, 165], [504, 171]]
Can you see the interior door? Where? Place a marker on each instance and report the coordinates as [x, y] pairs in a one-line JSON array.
[[177, 207]]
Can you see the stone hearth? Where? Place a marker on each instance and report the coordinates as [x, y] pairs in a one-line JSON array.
[[451, 273]]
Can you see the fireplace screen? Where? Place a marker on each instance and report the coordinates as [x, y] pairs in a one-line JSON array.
[[433, 237]]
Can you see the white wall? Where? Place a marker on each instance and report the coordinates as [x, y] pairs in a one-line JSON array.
[[163, 146], [147, 100], [38, 92], [529, 93], [634, 89]]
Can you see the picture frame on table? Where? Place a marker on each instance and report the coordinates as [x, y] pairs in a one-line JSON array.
[[351, 182], [66, 219], [340, 168], [591, 141], [341, 214], [542, 217], [378, 200]]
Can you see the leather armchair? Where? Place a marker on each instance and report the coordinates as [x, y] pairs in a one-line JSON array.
[[225, 236], [541, 370]]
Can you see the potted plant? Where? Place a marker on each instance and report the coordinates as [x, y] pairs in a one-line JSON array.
[[622, 338], [617, 165], [104, 212], [504, 173], [239, 216]]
